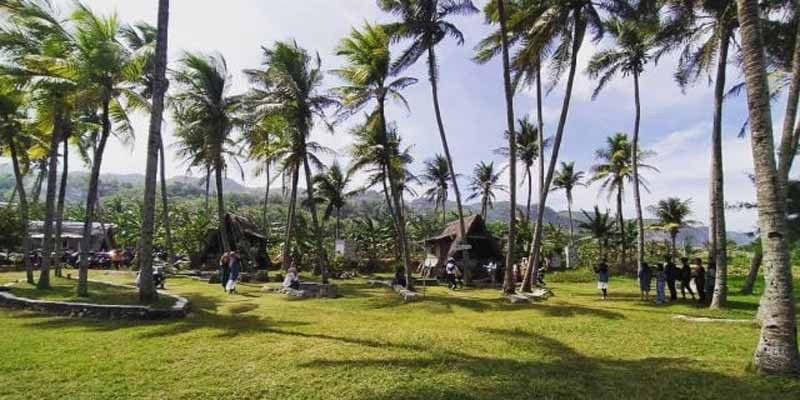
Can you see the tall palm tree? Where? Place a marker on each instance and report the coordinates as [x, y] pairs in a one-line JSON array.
[[672, 214], [600, 226], [368, 77], [527, 154], [206, 112], [614, 171], [155, 146], [484, 183], [11, 134], [425, 24], [332, 188], [437, 174], [101, 63], [635, 37], [704, 32], [290, 87], [567, 179], [777, 351]]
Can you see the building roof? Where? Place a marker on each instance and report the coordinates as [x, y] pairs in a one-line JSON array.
[[453, 230], [71, 228]]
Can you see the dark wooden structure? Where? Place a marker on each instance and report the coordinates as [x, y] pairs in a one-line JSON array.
[[484, 247], [244, 237]]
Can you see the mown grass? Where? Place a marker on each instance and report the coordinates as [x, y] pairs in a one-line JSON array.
[[63, 289], [370, 345]]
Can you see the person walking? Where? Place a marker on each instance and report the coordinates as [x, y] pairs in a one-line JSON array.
[[450, 269], [686, 278], [235, 264], [671, 275], [602, 278], [224, 270], [645, 275], [661, 280], [699, 275]]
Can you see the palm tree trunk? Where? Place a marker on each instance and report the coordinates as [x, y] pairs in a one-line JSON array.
[[432, 75], [719, 242], [674, 252], [788, 146], [162, 170], [223, 227], [208, 185], [155, 147], [321, 257], [37, 184], [50, 200], [752, 275], [637, 198], [776, 352], [530, 194], [12, 197], [62, 193], [23, 208], [533, 259], [621, 223], [264, 216], [508, 282], [290, 217], [338, 219], [571, 222]]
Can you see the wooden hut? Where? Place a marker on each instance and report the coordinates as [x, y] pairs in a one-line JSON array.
[[244, 237], [482, 246]]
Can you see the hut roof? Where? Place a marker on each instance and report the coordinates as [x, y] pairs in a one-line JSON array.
[[245, 225], [472, 224]]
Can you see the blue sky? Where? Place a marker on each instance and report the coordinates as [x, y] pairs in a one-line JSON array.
[[675, 124]]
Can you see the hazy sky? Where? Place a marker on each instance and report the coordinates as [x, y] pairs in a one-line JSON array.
[[675, 125]]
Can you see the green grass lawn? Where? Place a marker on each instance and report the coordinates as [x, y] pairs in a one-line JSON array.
[[62, 289], [369, 345]]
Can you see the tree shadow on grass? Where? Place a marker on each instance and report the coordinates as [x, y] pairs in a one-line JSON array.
[[554, 370]]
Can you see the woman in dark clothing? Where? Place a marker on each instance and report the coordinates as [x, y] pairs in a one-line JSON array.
[[645, 276], [686, 278], [699, 274], [236, 268], [224, 270]]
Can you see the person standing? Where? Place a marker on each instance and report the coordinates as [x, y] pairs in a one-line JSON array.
[[711, 279], [645, 275], [450, 269], [236, 268], [699, 274], [224, 270], [661, 279], [602, 278], [686, 278], [671, 275]]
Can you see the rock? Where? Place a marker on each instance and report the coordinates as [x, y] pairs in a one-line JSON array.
[[517, 299], [539, 293]]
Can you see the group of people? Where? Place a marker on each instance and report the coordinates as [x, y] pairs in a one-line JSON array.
[[667, 275], [230, 267]]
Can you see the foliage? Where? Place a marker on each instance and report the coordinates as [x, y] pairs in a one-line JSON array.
[[11, 228]]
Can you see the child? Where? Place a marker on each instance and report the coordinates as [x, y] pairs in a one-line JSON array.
[[661, 281], [602, 278]]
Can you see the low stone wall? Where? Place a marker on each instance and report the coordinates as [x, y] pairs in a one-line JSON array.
[[98, 311]]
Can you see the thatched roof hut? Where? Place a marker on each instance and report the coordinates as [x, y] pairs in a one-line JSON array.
[[483, 245], [243, 236]]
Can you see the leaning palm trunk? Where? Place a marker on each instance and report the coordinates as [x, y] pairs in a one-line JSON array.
[[752, 275], [533, 259], [62, 193], [155, 146], [719, 247], [223, 228], [23, 209], [637, 199], [776, 352], [50, 200], [321, 257], [508, 283], [290, 217], [790, 136], [91, 202], [446, 148], [164, 199]]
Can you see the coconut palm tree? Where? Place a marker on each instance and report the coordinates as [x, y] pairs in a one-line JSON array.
[[11, 135], [437, 174], [704, 32], [635, 37], [290, 87], [776, 352], [567, 179], [614, 171], [205, 112], [332, 189], [368, 77], [600, 226], [425, 24], [485, 182], [155, 146], [672, 214], [527, 155]]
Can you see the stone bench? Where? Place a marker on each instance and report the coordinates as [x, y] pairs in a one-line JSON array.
[[407, 295]]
